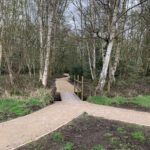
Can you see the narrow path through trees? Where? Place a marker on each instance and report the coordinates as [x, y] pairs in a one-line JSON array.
[[23, 130]]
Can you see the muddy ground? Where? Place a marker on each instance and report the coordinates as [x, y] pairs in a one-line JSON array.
[[87, 133]]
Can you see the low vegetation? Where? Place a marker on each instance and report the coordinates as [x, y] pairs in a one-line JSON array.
[[57, 137], [138, 135], [16, 106], [139, 102], [92, 133], [68, 146], [98, 147]]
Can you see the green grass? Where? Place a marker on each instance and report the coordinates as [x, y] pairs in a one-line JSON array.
[[138, 135], [114, 141], [121, 130], [15, 107], [98, 147], [68, 146], [143, 101], [57, 137]]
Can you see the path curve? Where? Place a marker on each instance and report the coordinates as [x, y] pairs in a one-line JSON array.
[[22, 130]]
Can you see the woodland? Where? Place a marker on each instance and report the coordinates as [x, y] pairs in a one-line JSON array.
[[105, 41]]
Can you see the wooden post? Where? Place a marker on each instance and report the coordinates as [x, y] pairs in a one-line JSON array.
[[82, 88]]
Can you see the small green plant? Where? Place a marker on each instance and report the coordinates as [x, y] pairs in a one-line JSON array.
[[121, 130], [68, 146], [98, 147], [138, 135], [114, 141], [57, 137]]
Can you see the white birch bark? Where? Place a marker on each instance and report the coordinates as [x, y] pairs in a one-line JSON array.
[[116, 62], [41, 38], [48, 49], [1, 34], [117, 52], [94, 60], [104, 72], [90, 62], [104, 49], [0, 56]]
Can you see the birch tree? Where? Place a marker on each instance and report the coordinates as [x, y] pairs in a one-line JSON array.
[[120, 28], [92, 56], [48, 48], [55, 9], [1, 33], [40, 22], [112, 26], [112, 10]]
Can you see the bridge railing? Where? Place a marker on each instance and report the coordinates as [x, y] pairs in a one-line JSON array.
[[83, 87], [79, 86]]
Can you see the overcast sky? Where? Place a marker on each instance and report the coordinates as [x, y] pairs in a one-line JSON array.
[[72, 11]]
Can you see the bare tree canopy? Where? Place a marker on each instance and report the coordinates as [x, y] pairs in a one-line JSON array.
[[100, 39]]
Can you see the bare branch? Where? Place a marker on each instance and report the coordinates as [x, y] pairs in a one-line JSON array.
[[130, 9]]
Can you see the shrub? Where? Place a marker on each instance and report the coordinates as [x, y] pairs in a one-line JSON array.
[[114, 141], [138, 135], [68, 146], [43, 95], [121, 130], [57, 137]]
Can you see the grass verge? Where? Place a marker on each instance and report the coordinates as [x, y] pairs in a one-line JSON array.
[[138, 101], [12, 107]]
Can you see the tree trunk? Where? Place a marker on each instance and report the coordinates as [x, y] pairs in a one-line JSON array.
[[34, 69], [29, 70], [0, 57], [9, 70], [1, 34], [41, 39], [94, 60], [48, 48], [90, 62], [112, 33], [113, 66], [104, 71]]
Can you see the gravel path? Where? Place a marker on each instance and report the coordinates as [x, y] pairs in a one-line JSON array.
[[22, 130]]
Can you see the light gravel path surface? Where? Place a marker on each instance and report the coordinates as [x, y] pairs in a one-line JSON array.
[[25, 129]]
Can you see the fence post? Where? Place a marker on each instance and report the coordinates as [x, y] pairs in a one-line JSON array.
[[82, 89]]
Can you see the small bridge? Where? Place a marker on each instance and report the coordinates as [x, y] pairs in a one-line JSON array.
[[23, 130]]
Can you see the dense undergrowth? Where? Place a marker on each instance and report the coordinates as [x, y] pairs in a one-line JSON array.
[[25, 97]]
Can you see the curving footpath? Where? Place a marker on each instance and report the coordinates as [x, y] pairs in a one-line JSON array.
[[25, 129]]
